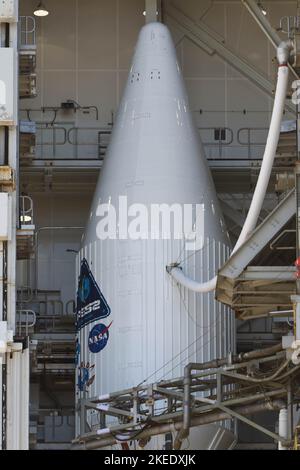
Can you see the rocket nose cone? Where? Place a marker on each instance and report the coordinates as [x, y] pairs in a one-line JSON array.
[[154, 38]]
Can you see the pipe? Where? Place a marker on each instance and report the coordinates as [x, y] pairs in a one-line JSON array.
[[177, 426], [184, 432], [283, 428], [259, 353], [284, 52], [264, 176]]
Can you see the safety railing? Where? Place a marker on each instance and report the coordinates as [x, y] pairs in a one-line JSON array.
[[27, 32], [25, 319], [249, 137], [56, 307], [48, 307], [49, 139], [91, 141], [219, 138], [24, 294], [66, 141], [54, 323], [26, 211]]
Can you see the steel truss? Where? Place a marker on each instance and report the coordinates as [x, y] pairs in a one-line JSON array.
[[223, 389]]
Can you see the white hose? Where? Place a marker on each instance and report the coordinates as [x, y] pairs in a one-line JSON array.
[[261, 186]]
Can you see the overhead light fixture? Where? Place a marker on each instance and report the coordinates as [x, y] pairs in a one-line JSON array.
[[263, 10], [144, 13], [41, 10]]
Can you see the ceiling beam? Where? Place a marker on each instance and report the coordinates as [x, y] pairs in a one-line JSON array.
[[265, 26], [201, 35], [152, 10]]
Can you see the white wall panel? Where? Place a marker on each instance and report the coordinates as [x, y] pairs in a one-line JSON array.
[[58, 86], [198, 64], [97, 34], [193, 8], [245, 38], [59, 35], [206, 94], [130, 20], [99, 89]]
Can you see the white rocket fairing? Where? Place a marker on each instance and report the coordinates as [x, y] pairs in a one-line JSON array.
[[150, 327]]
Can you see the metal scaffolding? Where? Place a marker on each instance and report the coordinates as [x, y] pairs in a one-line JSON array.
[[217, 391]]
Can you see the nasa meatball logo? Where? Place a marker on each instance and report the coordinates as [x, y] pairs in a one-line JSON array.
[[98, 337]]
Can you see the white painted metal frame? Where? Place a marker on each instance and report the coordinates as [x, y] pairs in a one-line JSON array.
[[16, 358], [18, 399]]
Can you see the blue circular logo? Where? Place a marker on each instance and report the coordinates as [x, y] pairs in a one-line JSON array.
[[84, 289], [77, 352], [98, 338]]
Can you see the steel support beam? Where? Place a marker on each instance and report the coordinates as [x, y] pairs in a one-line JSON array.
[[262, 21], [268, 273], [265, 26], [156, 430], [152, 10], [251, 423], [261, 236], [210, 42], [232, 213]]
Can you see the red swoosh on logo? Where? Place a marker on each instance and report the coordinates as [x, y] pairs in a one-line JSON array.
[[106, 329]]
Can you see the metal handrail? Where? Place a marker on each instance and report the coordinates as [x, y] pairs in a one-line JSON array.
[[49, 127], [289, 24], [219, 143], [26, 325], [20, 292], [249, 130], [26, 210], [73, 138], [249, 143], [27, 34], [50, 322], [51, 304], [94, 138]]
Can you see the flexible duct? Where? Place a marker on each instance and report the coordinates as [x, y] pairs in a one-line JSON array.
[[264, 175]]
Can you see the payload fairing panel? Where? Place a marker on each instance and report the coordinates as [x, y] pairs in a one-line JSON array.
[[135, 324]]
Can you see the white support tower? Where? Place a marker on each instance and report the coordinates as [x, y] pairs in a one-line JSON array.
[[14, 356]]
